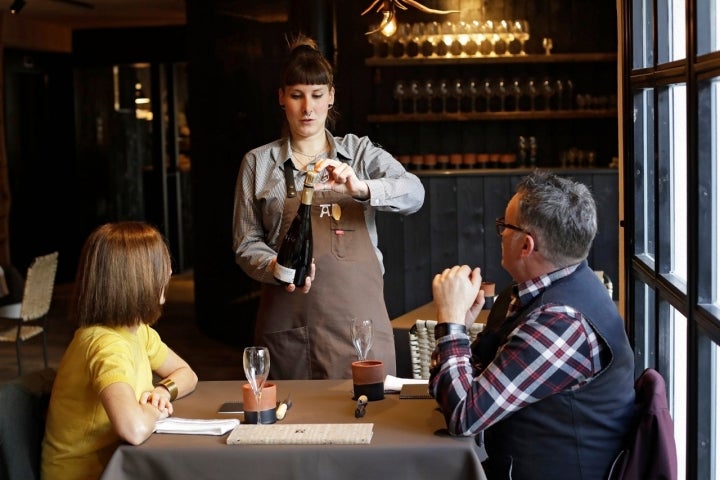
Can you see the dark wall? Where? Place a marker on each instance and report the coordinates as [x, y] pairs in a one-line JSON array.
[[41, 162]]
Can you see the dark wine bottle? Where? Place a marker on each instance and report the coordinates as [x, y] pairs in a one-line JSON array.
[[296, 251]]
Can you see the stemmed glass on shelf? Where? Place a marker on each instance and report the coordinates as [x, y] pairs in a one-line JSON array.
[[256, 362], [521, 31], [362, 333]]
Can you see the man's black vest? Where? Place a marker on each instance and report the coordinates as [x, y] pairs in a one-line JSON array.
[[574, 434]]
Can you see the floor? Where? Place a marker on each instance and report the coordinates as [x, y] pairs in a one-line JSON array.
[[210, 358]]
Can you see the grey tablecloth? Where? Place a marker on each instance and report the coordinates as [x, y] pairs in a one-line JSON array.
[[409, 441]]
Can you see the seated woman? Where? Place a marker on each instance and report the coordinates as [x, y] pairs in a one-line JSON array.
[[103, 393]]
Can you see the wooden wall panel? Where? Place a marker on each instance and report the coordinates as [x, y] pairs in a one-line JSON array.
[[457, 226], [418, 254], [442, 203]]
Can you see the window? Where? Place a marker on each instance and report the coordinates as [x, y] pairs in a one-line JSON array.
[[671, 151]]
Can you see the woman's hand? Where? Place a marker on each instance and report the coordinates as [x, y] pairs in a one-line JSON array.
[[291, 287], [342, 179], [160, 399]]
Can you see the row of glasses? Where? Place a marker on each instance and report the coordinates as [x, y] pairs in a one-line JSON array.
[[453, 39], [488, 95]]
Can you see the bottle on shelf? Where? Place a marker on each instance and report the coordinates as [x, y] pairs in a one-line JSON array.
[[296, 251]]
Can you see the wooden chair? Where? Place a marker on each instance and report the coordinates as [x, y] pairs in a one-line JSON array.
[[30, 314]]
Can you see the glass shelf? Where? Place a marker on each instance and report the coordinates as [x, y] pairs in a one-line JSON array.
[[467, 60], [476, 116]]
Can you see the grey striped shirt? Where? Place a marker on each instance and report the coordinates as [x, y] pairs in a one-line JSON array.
[[260, 195]]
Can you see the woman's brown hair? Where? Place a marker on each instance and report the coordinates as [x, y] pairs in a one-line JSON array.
[[123, 271], [308, 66]]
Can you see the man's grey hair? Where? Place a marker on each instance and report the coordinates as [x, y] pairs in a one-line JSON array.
[[560, 214]]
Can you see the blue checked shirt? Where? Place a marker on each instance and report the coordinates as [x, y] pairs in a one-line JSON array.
[[552, 350]]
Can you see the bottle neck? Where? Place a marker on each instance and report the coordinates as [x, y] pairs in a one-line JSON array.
[[307, 194]]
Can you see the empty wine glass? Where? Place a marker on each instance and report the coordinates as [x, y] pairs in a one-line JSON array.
[[256, 362], [414, 94], [362, 333], [399, 94], [501, 93], [429, 94], [473, 93], [443, 91], [516, 92], [547, 93], [458, 90], [504, 36], [521, 32]]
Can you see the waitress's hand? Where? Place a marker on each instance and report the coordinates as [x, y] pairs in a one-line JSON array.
[[342, 179], [291, 287], [308, 281]]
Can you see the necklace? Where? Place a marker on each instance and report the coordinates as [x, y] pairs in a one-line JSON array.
[[307, 157]]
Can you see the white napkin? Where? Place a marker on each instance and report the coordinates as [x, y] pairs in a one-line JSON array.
[[192, 426], [394, 384]]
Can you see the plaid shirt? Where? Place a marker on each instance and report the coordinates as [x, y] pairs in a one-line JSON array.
[[552, 350]]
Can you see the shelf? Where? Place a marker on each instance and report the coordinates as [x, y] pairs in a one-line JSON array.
[[467, 172], [466, 60], [469, 117]]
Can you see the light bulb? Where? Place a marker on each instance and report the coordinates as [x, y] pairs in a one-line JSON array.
[[388, 26]]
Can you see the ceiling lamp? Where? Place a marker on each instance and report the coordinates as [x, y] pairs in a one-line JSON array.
[[388, 25], [16, 6]]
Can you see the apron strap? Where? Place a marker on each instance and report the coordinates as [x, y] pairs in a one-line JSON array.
[[289, 179]]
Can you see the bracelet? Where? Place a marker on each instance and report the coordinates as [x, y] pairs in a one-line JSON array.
[[170, 386], [442, 329]]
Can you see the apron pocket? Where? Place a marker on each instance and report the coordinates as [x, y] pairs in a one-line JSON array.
[[344, 243], [289, 353]]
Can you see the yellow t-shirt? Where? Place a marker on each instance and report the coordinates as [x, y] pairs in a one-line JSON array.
[[79, 439]]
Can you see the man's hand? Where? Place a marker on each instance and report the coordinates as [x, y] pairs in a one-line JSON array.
[[457, 295]]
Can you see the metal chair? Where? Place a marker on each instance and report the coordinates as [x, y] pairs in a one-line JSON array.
[[30, 314]]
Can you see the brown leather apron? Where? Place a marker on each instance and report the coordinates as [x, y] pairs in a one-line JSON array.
[[309, 335]]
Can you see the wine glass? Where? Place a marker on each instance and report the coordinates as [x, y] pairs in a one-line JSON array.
[[473, 93], [414, 94], [504, 35], [256, 362], [362, 333], [521, 31], [443, 91], [399, 94]]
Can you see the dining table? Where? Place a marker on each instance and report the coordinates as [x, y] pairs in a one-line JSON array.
[[409, 440]]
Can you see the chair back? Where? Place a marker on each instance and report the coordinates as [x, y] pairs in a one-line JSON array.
[[650, 452], [422, 344], [23, 407], [39, 284]]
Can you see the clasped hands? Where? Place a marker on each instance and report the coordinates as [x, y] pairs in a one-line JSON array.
[[159, 401], [457, 295]]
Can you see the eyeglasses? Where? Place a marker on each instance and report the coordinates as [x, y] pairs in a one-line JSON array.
[[500, 226]]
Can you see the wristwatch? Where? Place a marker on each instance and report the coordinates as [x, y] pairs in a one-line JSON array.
[[442, 329], [170, 386]]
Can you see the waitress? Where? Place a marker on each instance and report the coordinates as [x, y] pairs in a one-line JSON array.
[[308, 329]]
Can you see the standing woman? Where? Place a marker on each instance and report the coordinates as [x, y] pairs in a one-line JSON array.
[[103, 392], [308, 329]]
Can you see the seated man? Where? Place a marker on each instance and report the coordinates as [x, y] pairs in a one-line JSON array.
[[550, 379]]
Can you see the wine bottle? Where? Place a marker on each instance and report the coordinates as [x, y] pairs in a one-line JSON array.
[[296, 251]]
